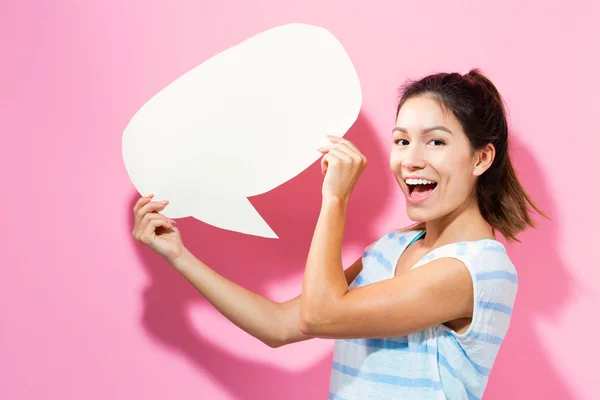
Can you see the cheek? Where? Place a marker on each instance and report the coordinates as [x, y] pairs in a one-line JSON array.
[[455, 170], [395, 161], [444, 163], [461, 180]]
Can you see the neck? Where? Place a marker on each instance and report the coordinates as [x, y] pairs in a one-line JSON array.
[[464, 224]]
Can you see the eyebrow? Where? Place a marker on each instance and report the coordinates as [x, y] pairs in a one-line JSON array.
[[433, 128]]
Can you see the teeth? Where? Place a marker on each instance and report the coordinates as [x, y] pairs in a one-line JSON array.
[[412, 181]]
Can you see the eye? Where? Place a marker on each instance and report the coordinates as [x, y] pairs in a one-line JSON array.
[[437, 142], [401, 142]]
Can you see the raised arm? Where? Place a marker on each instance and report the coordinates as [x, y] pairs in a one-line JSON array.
[[275, 324], [289, 311]]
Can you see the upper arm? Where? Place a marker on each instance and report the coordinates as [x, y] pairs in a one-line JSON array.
[[432, 294], [289, 311]]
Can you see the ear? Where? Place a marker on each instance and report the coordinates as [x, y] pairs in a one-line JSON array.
[[484, 159]]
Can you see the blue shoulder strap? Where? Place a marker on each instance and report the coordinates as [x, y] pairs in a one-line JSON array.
[[419, 236]]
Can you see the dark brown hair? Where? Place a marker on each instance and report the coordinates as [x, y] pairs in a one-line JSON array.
[[477, 105]]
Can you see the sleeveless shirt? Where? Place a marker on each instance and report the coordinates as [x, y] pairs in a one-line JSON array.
[[435, 363]]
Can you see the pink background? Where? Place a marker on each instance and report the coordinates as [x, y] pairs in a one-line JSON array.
[[88, 313]]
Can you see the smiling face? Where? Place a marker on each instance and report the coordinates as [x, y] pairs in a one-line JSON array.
[[432, 160]]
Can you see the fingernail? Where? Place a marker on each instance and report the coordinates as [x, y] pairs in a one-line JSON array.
[[164, 202], [149, 195]]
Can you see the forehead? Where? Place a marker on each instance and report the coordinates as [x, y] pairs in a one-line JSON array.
[[422, 112]]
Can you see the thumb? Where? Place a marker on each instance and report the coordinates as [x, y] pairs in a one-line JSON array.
[[323, 165]]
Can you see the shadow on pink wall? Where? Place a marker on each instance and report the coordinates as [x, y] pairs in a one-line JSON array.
[[292, 211], [522, 371]]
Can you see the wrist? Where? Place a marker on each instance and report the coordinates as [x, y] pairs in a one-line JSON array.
[[182, 259], [332, 202]]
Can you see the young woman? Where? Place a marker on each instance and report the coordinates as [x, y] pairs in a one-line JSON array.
[[422, 314]]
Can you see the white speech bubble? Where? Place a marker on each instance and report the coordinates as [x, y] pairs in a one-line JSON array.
[[242, 123]]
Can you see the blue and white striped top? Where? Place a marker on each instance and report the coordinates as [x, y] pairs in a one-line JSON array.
[[435, 363]]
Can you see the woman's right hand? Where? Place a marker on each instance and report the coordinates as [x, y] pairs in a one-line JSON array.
[[156, 230]]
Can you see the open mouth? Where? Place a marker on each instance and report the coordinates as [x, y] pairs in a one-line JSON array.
[[420, 188]]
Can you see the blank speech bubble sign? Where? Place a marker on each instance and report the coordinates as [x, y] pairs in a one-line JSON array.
[[242, 123]]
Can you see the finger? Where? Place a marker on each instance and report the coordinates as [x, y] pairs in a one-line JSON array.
[[338, 139], [151, 222], [341, 155], [344, 148], [358, 157], [149, 208], [327, 160], [151, 228], [323, 165], [141, 201], [353, 152], [331, 160], [147, 220], [325, 149]]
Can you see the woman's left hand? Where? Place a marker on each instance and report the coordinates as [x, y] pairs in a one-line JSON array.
[[342, 164]]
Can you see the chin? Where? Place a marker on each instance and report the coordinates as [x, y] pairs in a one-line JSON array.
[[417, 214]]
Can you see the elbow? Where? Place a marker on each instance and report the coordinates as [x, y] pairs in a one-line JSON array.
[[317, 328], [319, 321], [309, 324], [277, 338], [274, 343], [306, 327]]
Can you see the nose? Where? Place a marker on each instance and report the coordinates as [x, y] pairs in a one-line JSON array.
[[413, 158]]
